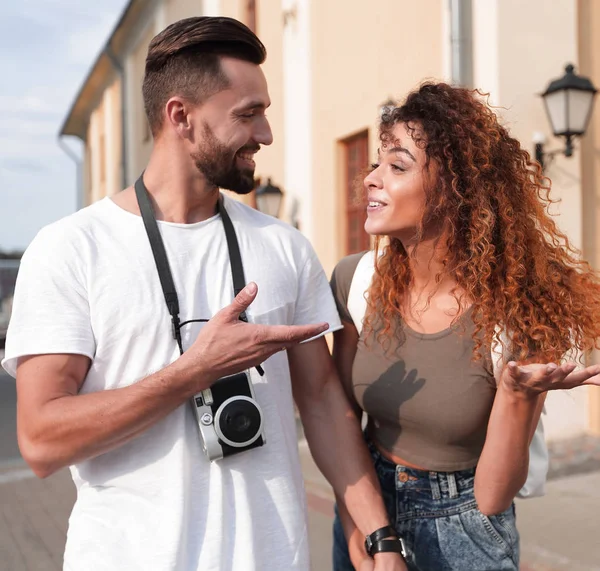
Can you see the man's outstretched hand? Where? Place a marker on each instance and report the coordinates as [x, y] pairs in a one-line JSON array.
[[227, 345]]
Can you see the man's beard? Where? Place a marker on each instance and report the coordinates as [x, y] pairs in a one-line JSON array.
[[216, 162]]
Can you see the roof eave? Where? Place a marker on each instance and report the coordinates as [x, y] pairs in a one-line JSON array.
[[100, 74]]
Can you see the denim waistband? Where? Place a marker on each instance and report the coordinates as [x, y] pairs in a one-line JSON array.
[[441, 484]]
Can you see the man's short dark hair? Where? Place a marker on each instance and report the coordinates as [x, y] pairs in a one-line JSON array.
[[185, 59]]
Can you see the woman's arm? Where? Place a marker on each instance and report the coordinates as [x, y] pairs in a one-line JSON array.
[[504, 462]]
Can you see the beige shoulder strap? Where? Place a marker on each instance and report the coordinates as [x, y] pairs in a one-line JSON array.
[[359, 288]]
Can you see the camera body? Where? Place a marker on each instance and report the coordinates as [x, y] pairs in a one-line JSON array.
[[229, 418]]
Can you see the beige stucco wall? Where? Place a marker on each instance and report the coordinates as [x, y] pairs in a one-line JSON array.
[[86, 183], [589, 65], [270, 160], [113, 138], [179, 9], [102, 157], [232, 9], [533, 45], [531, 53], [91, 147], [96, 134], [359, 58]]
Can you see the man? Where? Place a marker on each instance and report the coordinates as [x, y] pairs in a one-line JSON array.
[[101, 384]]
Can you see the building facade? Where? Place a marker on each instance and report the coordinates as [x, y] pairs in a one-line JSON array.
[[330, 66]]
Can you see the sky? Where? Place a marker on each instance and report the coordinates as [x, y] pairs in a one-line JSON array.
[[47, 48]]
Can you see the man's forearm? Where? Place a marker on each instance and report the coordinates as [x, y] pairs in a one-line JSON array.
[[73, 428], [338, 448], [504, 462]]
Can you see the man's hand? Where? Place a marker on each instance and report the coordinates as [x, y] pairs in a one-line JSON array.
[[534, 379], [227, 345], [58, 426]]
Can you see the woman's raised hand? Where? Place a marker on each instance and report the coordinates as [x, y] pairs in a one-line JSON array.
[[536, 378]]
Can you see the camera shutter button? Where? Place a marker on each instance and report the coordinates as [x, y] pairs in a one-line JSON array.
[[206, 419]]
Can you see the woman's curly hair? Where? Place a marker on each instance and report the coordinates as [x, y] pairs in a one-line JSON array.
[[504, 250]]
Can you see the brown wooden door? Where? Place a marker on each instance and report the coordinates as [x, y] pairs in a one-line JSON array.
[[356, 159]]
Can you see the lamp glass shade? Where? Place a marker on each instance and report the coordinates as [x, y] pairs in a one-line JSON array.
[[569, 111], [580, 108], [268, 198], [556, 108], [386, 108], [269, 203]]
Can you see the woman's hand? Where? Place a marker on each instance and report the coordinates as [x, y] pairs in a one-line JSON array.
[[383, 562], [536, 378], [366, 564]]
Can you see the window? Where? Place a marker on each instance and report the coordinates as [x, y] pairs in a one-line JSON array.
[[356, 159]]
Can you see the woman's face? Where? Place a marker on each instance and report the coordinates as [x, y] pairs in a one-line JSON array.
[[396, 187]]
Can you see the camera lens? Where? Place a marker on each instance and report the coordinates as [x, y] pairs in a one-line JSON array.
[[238, 421]]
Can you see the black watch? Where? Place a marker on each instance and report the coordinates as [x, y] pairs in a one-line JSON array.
[[394, 545], [377, 536]]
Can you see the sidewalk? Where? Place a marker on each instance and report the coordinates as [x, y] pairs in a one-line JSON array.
[[559, 532], [33, 518]]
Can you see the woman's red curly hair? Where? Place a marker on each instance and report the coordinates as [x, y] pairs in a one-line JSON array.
[[504, 250]]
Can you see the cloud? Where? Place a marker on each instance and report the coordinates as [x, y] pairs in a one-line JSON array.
[[27, 103], [23, 165], [84, 45], [52, 45]]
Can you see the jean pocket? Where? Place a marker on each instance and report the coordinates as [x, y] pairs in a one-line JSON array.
[[471, 540], [498, 528]]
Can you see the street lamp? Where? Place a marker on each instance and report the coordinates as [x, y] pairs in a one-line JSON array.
[[268, 199], [386, 107], [568, 103]]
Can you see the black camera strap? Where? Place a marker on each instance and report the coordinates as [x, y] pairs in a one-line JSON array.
[[162, 262]]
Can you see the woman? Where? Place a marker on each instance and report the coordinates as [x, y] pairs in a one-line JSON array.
[[464, 249]]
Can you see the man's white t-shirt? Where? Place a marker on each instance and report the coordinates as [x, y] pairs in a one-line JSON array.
[[88, 285]]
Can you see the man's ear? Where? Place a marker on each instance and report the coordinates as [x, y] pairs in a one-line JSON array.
[[177, 116]]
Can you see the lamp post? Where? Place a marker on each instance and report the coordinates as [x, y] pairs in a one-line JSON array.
[[268, 198], [386, 107], [568, 101]]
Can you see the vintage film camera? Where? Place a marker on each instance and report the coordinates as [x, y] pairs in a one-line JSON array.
[[229, 418]]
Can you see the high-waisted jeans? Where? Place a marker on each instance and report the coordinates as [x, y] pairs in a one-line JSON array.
[[436, 515]]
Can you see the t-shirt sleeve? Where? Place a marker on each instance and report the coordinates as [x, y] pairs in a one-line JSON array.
[[315, 303], [340, 282], [50, 312]]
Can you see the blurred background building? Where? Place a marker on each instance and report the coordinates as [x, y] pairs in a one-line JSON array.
[[331, 65], [9, 267]]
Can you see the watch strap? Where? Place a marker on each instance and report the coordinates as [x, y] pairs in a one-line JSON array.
[[395, 545], [378, 535]]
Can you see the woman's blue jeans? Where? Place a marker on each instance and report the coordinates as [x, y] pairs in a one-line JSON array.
[[436, 515]]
